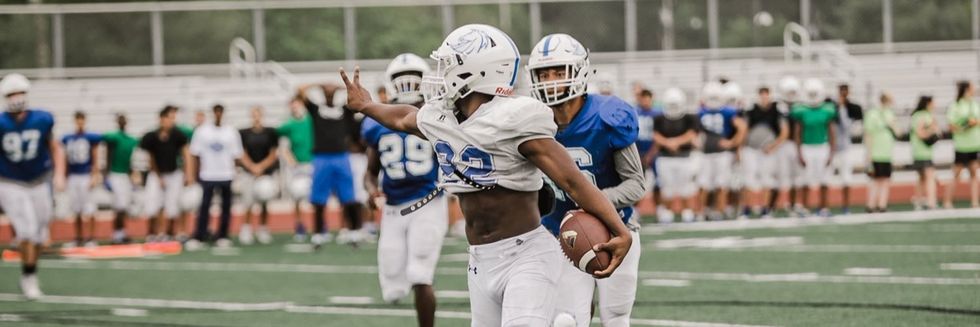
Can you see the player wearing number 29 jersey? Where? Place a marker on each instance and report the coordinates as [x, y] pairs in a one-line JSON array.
[[492, 147], [599, 133]]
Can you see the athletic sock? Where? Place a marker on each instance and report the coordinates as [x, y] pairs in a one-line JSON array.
[[29, 269], [318, 219]]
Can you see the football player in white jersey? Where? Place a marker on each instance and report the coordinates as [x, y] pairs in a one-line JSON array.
[[492, 147], [790, 171], [409, 245], [600, 133]]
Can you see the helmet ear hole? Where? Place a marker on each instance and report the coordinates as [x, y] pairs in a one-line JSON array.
[[463, 76]]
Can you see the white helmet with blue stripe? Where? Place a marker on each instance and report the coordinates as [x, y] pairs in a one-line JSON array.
[[559, 51], [403, 78], [473, 58]]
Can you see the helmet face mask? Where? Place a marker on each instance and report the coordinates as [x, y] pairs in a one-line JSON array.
[[403, 78], [674, 102], [473, 58], [14, 88], [712, 96], [559, 53]]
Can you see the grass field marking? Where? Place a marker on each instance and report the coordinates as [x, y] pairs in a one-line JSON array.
[[298, 248], [6, 317], [960, 266], [680, 323], [727, 242], [866, 271], [831, 248], [129, 312], [453, 294], [323, 269], [812, 278], [667, 282], [350, 300], [151, 303], [853, 219]]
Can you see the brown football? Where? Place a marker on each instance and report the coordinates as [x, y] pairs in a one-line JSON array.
[[580, 231]]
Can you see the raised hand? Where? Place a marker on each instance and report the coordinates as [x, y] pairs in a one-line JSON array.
[[358, 98]]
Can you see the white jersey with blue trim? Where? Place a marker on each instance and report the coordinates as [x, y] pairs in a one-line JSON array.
[[484, 147]]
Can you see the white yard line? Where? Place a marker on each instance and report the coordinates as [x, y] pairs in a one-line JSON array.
[[960, 266], [825, 248], [810, 277], [667, 282], [854, 219], [323, 269], [866, 271], [291, 308]]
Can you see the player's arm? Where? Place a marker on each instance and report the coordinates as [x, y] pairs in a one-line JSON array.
[[399, 117], [631, 189], [741, 129], [269, 159], [96, 172], [60, 163], [549, 156], [190, 166], [799, 145], [832, 140], [782, 137], [371, 176]]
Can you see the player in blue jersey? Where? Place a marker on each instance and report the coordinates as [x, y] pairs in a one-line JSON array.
[[29, 154], [646, 112], [599, 133], [409, 246], [723, 129], [81, 151]]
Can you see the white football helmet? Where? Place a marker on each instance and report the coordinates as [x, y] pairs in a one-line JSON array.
[[473, 58], [789, 88], [12, 84], [265, 188], [190, 198], [559, 50], [674, 103], [732, 94], [813, 91], [712, 95], [403, 78]]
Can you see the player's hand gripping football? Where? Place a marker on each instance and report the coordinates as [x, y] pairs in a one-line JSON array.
[[617, 247], [358, 98]]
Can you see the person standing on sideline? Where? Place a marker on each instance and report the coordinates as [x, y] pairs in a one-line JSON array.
[[333, 130], [216, 148], [923, 133], [82, 149], [879, 139], [964, 121], [119, 151], [167, 148], [298, 130], [768, 130], [847, 114], [815, 138], [260, 160], [646, 111]]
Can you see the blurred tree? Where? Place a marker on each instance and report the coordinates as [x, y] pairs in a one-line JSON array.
[[388, 31], [931, 20], [116, 39], [598, 25], [304, 34], [201, 37]]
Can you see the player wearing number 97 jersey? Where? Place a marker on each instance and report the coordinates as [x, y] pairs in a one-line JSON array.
[[599, 133], [29, 152], [409, 245]]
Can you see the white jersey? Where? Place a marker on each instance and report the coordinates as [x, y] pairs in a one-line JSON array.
[[484, 146]]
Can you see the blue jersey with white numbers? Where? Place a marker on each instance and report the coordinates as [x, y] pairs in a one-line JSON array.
[[718, 121], [605, 125], [408, 163], [78, 149], [644, 137], [26, 156]]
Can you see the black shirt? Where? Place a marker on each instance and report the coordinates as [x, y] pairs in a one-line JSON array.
[[669, 128], [165, 152], [258, 145], [333, 128], [770, 117]]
